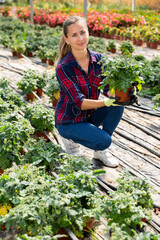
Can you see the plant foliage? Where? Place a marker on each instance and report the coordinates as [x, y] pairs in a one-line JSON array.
[[120, 73]]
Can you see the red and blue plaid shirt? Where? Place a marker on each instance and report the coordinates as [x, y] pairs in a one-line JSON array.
[[75, 86]]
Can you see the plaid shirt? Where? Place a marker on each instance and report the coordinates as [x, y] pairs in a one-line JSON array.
[[75, 86]]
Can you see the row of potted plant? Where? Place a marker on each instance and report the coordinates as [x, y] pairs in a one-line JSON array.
[[23, 12], [17, 130], [97, 22], [33, 81], [30, 40], [138, 34], [119, 26], [125, 47], [44, 16], [123, 71]]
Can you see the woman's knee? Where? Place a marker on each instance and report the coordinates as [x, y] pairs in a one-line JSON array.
[[102, 143], [119, 110]]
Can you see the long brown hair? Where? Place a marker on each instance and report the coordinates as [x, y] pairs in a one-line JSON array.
[[64, 48]]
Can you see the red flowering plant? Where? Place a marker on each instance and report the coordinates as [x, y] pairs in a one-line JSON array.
[[56, 19], [5, 11], [97, 21], [41, 16], [23, 13]]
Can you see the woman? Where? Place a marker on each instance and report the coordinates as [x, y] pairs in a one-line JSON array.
[[79, 112]]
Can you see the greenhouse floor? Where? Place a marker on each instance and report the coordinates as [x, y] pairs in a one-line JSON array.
[[135, 142]]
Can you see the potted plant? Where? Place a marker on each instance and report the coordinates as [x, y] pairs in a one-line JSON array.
[[154, 39], [105, 31], [41, 118], [52, 89], [122, 34], [117, 36], [51, 56], [17, 47], [42, 53], [41, 82], [127, 34], [111, 46], [30, 46], [4, 40], [139, 39], [112, 32], [147, 36], [121, 73], [28, 84], [126, 47]]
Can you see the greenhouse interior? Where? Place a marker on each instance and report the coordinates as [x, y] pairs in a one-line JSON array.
[[63, 68]]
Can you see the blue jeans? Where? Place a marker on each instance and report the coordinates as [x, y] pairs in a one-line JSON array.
[[89, 134]]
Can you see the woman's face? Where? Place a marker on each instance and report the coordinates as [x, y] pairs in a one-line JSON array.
[[77, 36]]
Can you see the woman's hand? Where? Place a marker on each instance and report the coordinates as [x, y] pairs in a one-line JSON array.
[[133, 99], [111, 101]]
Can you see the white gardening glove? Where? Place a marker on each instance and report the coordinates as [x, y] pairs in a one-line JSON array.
[[111, 101]]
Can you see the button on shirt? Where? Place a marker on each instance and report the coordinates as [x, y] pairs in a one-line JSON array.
[[75, 86]]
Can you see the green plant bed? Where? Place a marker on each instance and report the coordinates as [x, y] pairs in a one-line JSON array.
[[97, 44], [4, 83], [13, 136], [128, 206], [42, 204], [12, 98], [41, 118], [69, 164], [156, 100], [41, 153], [7, 107], [151, 76]]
